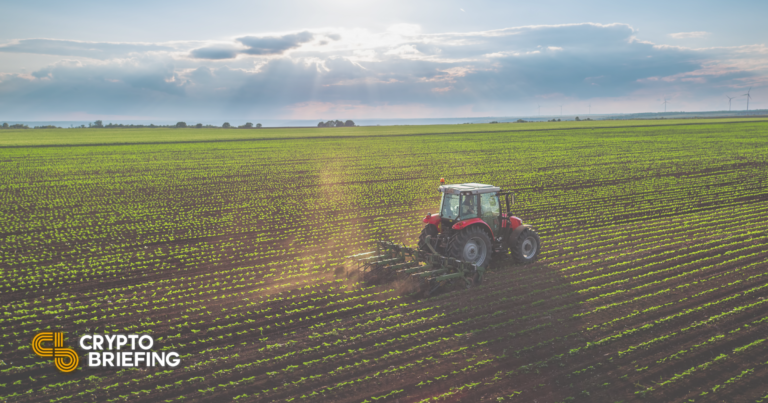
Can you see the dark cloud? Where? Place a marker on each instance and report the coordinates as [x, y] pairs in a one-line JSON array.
[[272, 45], [214, 53], [255, 45], [95, 50]]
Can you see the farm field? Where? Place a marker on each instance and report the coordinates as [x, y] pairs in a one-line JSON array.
[[652, 283]]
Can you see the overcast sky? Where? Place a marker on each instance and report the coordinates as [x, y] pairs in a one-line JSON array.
[[345, 59]]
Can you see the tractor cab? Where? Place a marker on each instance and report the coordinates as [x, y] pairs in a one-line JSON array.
[[470, 201]]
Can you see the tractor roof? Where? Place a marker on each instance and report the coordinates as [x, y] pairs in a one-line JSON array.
[[468, 188]]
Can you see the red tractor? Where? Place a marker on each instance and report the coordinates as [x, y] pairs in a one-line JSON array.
[[471, 226]]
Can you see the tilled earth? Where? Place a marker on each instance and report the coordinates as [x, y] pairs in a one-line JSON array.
[[652, 284]]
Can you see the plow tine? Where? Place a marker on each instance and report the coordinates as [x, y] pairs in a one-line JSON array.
[[411, 270], [433, 289], [372, 257], [387, 261], [405, 265], [358, 255]]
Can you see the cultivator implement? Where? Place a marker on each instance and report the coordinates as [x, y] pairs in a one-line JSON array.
[[419, 271]]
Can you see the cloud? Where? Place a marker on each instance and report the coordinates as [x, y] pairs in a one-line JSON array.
[[214, 52], [256, 45], [271, 45], [95, 50], [369, 74], [688, 35], [68, 87]]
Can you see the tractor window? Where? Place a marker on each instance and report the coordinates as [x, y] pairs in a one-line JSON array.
[[489, 208], [489, 205], [450, 207], [469, 206]]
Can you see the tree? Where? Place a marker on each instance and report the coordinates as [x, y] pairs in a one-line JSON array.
[[226, 125], [181, 124], [349, 123], [5, 125], [98, 123], [248, 125], [199, 125], [258, 125], [338, 123], [577, 118], [321, 124]]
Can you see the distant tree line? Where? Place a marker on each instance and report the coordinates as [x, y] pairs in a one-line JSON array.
[[225, 125], [336, 123], [16, 126], [22, 126]]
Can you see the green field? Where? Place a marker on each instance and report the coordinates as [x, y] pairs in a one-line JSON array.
[[226, 245], [39, 137]]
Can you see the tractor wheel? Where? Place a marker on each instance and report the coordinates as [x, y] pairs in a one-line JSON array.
[[430, 230], [527, 247], [471, 245]]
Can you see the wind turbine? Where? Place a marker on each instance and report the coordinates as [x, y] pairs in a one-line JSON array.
[[729, 102], [665, 105], [748, 97]]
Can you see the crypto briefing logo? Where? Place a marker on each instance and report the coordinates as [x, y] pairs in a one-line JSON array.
[[104, 351], [58, 352]]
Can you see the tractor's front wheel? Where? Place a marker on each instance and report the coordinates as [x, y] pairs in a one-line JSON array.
[[471, 245], [526, 247], [431, 230]]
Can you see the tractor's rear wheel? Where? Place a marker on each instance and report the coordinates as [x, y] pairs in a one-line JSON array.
[[526, 247], [471, 245], [431, 230]]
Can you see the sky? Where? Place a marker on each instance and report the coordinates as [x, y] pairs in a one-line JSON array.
[[366, 59]]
